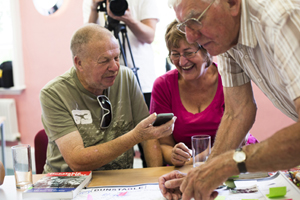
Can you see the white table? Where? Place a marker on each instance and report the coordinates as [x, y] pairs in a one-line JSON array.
[[2, 141], [8, 190]]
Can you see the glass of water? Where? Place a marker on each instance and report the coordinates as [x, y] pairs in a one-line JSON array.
[[22, 165]]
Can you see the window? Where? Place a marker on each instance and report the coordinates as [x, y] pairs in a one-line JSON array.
[[11, 43], [5, 32], [47, 7]]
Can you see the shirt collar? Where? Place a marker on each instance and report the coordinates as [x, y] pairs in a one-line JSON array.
[[246, 35], [80, 86]]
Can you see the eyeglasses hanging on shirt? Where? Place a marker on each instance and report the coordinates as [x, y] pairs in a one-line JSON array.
[[106, 111]]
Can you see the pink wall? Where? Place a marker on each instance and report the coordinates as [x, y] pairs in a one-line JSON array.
[[46, 54], [268, 119]]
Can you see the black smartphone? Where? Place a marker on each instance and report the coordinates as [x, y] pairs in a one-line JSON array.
[[162, 118]]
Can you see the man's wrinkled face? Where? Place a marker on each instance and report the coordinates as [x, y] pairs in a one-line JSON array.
[[100, 64], [218, 31]]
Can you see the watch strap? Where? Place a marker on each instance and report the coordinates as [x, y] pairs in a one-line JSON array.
[[241, 165]]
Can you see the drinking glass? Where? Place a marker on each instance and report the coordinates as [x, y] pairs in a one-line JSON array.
[[22, 165], [201, 145]]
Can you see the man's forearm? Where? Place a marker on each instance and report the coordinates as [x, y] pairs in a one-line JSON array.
[[229, 135], [80, 158], [279, 152], [238, 118]]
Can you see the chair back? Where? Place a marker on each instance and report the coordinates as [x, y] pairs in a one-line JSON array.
[[40, 145]]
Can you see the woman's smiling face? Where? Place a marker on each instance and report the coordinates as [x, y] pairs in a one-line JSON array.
[[189, 68]]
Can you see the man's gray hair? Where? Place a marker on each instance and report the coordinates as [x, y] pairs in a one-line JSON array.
[[86, 34]]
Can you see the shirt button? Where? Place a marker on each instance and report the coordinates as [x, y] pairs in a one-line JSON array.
[[259, 79], [246, 56]]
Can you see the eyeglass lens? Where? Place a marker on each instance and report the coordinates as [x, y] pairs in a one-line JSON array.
[[191, 24], [185, 54]]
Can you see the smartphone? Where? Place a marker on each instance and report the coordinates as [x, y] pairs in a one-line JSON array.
[[162, 118]]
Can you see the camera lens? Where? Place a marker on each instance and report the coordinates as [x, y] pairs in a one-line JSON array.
[[118, 7]]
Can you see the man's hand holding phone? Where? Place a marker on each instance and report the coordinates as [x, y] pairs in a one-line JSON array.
[[149, 128]]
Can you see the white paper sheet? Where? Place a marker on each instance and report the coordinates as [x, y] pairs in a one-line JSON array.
[[136, 192]]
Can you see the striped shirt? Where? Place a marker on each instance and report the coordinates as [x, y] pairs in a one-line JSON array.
[[267, 52]]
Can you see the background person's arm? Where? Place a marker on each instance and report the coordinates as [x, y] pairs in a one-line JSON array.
[[89, 8], [143, 30], [93, 13], [238, 118], [80, 158]]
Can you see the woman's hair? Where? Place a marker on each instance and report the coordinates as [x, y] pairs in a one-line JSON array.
[[173, 37]]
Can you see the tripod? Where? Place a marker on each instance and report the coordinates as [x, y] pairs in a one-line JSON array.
[[116, 27]]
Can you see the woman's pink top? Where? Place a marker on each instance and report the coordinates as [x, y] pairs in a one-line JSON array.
[[166, 99]]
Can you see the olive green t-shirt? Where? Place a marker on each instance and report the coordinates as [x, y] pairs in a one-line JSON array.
[[67, 106]]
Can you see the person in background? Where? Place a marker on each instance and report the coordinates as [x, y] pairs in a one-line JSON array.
[[140, 18], [95, 113], [193, 92], [2, 173], [256, 41]]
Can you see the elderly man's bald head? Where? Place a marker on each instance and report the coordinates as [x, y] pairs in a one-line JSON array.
[[87, 33]]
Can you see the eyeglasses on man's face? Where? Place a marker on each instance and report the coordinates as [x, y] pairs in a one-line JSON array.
[[106, 111], [188, 55], [193, 23]]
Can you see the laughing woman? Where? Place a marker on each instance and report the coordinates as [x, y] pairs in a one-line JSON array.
[[193, 92]]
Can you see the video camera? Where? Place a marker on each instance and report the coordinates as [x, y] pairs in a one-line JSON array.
[[117, 7]]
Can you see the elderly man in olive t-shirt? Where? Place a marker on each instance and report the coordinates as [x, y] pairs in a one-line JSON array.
[[95, 113]]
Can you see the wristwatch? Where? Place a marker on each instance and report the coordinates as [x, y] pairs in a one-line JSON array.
[[239, 157]]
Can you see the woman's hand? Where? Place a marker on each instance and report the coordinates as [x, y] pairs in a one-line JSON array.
[[180, 154]]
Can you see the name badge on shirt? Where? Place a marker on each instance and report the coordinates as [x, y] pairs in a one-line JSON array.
[[82, 116]]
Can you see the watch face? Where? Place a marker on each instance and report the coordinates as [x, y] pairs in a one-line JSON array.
[[239, 156]]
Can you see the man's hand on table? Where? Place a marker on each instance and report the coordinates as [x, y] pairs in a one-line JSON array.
[[169, 184], [199, 182]]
